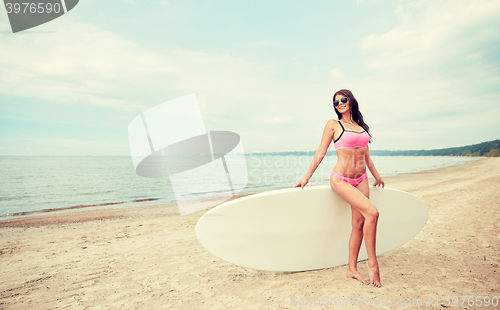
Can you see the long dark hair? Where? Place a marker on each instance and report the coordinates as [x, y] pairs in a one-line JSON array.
[[354, 107]]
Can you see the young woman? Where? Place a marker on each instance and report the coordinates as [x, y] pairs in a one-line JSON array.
[[349, 179]]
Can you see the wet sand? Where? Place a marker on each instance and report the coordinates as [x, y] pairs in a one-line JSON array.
[[149, 258]]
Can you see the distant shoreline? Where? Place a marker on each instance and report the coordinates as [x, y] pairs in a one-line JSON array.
[[484, 149]]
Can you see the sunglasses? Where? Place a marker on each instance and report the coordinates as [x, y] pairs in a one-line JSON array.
[[336, 102]]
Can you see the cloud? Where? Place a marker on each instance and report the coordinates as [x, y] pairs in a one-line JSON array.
[[82, 64], [434, 32], [100, 68], [93, 67], [424, 72], [440, 50]]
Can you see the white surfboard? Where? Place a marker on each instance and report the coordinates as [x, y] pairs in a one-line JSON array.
[[296, 230]]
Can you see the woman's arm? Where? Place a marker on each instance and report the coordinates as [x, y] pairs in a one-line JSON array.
[[326, 139], [373, 170]]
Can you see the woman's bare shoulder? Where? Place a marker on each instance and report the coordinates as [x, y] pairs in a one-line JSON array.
[[332, 123], [332, 126]]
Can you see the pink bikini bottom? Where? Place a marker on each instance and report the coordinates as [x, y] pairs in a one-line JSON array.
[[353, 182]]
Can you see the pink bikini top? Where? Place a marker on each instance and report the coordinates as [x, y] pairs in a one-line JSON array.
[[350, 139]]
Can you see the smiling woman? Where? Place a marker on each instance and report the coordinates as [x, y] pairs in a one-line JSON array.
[[349, 178]]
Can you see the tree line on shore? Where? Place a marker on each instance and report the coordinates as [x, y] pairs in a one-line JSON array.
[[487, 149]]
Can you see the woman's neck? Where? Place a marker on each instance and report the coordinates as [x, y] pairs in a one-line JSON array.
[[347, 118]]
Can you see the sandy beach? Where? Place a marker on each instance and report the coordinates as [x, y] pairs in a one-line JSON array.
[[149, 258]]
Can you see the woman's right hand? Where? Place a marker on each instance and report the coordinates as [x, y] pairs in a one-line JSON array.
[[302, 183]]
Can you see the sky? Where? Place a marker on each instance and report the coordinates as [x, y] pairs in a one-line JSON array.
[[426, 73]]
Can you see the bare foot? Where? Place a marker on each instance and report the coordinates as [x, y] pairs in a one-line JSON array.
[[374, 274], [358, 276]]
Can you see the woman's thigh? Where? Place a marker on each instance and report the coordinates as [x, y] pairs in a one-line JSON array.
[[364, 187], [356, 197]]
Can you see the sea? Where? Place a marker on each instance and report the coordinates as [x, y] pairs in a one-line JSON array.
[[35, 185]]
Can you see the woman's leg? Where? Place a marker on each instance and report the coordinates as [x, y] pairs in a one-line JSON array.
[[354, 246], [355, 196], [372, 262]]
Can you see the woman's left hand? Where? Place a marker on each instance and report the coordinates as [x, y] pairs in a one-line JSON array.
[[379, 182]]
